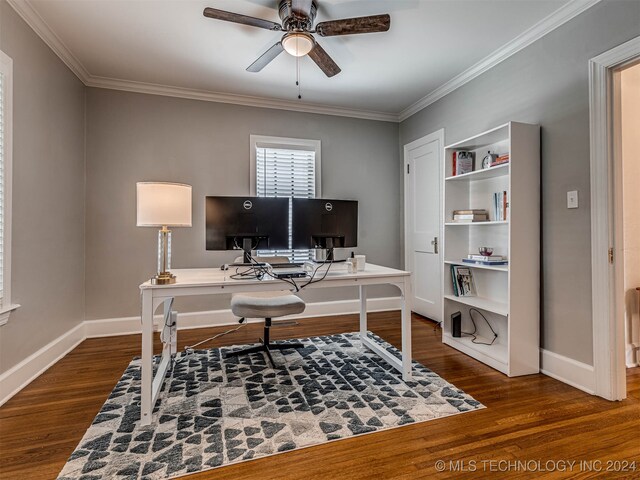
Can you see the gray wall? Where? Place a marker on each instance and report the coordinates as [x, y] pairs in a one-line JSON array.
[[133, 137], [48, 194], [547, 83]]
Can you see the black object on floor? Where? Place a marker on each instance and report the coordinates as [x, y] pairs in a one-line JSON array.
[[265, 345]]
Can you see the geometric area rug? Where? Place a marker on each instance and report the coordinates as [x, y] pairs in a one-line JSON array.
[[214, 411]]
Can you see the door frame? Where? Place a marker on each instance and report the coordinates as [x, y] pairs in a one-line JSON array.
[[606, 226], [437, 135]]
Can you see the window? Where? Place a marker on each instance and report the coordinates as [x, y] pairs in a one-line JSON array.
[[6, 135], [285, 167]]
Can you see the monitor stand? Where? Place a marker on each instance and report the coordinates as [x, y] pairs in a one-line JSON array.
[[327, 243]]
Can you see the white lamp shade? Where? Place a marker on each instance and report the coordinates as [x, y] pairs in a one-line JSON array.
[[163, 204]]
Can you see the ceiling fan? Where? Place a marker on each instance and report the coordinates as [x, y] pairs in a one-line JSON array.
[[297, 22]]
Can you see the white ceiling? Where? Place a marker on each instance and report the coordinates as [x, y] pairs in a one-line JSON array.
[[171, 43]]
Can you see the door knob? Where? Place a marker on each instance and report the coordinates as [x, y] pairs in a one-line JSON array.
[[434, 242]]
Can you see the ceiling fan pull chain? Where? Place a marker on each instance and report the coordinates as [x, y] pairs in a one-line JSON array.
[[298, 77]]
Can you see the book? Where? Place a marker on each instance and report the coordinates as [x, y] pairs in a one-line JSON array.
[[485, 258], [470, 220], [455, 283], [485, 262], [464, 285], [453, 166], [471, 216], [470, 212], [500, 206], [463, 162]]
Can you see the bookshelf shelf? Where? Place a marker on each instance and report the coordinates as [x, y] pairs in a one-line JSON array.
[[481, 174], [507, 295], [495, 355], [492, 222], [482, 303], [498, 268]]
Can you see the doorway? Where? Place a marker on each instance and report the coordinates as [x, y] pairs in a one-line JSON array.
[[630, 156], [423, 222], [607, 218]]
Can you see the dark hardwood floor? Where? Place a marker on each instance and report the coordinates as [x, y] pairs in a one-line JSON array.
[[533, 419]]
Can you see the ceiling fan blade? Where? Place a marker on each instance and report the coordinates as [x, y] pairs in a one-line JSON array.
[[301, 7], [239, 18], [266, 58], [324, 61], [350, 26]]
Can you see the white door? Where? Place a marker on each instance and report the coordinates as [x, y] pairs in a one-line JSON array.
[[422, 204]]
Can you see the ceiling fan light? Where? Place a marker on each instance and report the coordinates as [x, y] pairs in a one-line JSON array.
[[298, 44]]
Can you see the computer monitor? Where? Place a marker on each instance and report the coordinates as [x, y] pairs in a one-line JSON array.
[[322, 223], [247, 223]]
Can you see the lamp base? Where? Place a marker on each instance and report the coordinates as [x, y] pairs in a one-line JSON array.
[[164, 278]]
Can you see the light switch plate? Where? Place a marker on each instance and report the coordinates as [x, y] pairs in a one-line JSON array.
[[572, 199]]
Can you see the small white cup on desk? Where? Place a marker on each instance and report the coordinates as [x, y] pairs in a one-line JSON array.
[[360, 262]]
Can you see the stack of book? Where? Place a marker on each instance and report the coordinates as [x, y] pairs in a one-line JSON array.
[[468, 216], [485, 260], [500, 206], [500, 160]]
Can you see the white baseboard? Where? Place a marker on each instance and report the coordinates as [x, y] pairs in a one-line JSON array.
[[567, 370], [22, 374], [19, 376]]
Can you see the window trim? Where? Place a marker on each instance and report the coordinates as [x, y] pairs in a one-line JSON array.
[[6, 68], [261, 141]]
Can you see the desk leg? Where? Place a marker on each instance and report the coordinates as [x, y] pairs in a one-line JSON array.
[[146, 408], [406, 329], [363, 311]]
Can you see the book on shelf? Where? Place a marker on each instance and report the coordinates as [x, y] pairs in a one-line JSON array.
[[485, 262], [500, 206], [463, 283], [486, 258], [463, 162], [500, 160], [466, 216]]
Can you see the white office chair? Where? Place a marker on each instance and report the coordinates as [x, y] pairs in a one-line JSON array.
[[267, 305]]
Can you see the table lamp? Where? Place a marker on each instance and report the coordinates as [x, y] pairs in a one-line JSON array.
[[163, 204]]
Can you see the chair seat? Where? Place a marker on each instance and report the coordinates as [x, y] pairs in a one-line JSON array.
[[266, 305]]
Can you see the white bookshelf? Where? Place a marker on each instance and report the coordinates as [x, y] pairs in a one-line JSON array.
[[507, 295]]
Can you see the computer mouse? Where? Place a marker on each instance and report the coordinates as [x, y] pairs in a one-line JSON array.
[[224, 267]]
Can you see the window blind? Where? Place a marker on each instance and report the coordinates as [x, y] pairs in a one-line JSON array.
[[286, 173], [2, 161]]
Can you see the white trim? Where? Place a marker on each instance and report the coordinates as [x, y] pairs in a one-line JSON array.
[[284, 142], [558, 18], [6, 69], [44, 31], [567, 370], [19, 376], [5, 312], [608, 328], [247, 100]]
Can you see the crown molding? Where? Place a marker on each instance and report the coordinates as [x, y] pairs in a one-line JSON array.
[[558, 18], [42, 29], [246, 100]]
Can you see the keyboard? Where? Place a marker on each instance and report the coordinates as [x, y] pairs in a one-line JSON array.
[[285, 265]]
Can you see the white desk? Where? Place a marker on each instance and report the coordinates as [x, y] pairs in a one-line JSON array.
[[211, 281]]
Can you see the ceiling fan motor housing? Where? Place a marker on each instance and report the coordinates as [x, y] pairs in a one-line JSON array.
[[294, 22]]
